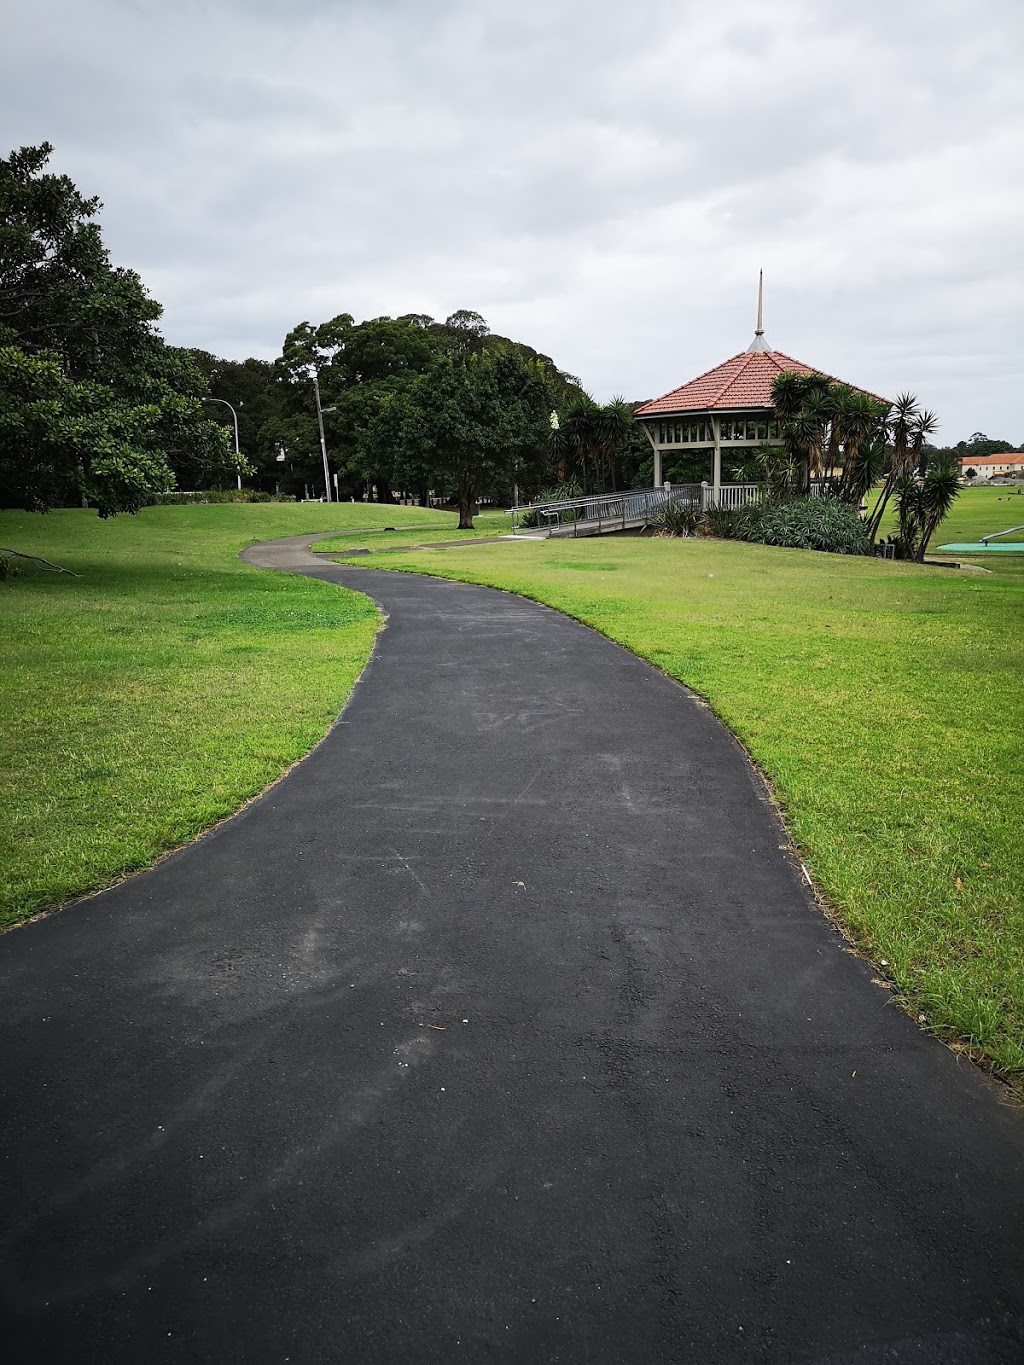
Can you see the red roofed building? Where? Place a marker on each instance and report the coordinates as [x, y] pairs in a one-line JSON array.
[[1009, 465], [727, 408]]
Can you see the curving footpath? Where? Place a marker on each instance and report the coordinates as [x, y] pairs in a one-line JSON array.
[[502, 1029]]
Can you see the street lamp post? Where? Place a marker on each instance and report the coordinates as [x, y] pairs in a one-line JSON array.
[[323, 440], [234, 414]]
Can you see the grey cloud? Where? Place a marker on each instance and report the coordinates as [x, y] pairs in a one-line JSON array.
[[599, 179]]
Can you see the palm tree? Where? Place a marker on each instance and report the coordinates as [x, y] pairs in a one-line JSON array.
[[803, 406], [864, 466], [611, 428], [591, 435], [925, 424], [900, 425], [863, 443], [923, 502]]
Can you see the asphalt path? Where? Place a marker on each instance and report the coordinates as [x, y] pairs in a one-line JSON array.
[[503, 1028]]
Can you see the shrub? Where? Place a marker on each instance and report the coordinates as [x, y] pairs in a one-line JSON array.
[[676, 519], [216, 495], [807, 524], [562, 492], [725, 523]]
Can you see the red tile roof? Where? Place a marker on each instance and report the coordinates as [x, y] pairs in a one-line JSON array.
[[984, 461], [744, 381]]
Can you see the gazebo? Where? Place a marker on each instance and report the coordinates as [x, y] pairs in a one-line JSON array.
[[728, 408]]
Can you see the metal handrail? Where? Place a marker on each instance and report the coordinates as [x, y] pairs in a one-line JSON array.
[[996, 534], [629, 505]]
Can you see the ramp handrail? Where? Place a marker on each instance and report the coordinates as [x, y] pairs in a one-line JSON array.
[[633, 506], [996, 534]]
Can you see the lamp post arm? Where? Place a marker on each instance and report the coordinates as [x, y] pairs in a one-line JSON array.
[[234, 415]]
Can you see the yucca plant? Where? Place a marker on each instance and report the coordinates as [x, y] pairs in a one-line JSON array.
[[807, 524], [676, 519], [561, 492], [723, 523], [922, 504], [908, 429]]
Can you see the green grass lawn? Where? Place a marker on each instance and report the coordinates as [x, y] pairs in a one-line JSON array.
[[885, 703], [170, 682], [164, 686], [489, 523], [978, 512]]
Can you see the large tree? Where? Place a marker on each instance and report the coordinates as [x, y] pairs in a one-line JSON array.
[[94, 406], [473, 426]]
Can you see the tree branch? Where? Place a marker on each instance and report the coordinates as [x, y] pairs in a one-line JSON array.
[[50, 568]]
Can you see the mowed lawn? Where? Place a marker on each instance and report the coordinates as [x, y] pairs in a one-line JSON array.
[[164, 686], [978, 512], [884, 701]]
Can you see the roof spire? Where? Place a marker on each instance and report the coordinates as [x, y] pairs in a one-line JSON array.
[[759, 343], [760, 303]]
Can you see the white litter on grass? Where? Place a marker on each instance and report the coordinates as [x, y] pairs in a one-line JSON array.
[[807, 875]]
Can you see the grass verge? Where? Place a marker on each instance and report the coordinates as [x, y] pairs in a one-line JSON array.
[[883, 701], [486, 524], [164, 686]]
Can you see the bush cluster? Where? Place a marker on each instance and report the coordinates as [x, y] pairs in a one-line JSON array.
[[677, 519], [796, 523], [215, 495], [806, 524]]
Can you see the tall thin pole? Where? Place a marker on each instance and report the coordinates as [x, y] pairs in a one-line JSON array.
[[323, 439], [234, 414], [760, 303]]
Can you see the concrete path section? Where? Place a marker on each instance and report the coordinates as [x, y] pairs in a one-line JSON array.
[[502, 1029]]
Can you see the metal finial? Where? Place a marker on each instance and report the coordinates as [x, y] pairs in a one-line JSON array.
[[760, 303], [759, 343]]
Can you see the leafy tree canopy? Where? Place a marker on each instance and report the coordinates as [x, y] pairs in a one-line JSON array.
[[93, 404]]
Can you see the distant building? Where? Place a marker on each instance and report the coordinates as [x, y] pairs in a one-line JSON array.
[[728, 408], [1009, 464]]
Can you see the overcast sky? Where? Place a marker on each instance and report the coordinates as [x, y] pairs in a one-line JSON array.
[[599, 178]]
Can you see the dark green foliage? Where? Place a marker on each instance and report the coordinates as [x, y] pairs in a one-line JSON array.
[[369, 373], [93, 404], [588, 440], [470, 427], [980, 445], [832, 432], [907, 429], [215, 495], [923, 501], [805, 524], [676, 519], [724, 523], [560, 492], [778, 470]]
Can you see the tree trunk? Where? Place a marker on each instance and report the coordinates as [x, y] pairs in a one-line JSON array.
[[467, 503]]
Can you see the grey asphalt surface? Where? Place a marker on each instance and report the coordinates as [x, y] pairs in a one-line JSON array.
[[501, 1029]]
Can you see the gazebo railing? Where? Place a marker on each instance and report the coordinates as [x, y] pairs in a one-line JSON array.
[[731, 495]]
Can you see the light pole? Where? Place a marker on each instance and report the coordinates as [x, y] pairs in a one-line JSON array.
[[234, 414], [323, 441]]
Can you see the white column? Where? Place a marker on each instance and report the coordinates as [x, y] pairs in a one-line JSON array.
[[648, 428], [717, 476]]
